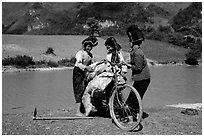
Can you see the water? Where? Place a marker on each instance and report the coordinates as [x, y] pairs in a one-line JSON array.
[[44, 90], [22, 92], [173, 85]]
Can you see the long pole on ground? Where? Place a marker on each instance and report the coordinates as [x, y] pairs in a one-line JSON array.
[[57, 118]]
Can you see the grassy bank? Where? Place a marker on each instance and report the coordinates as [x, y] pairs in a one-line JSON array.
[[16, 48], [161, 121]]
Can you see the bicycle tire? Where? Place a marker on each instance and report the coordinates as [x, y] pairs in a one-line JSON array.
[[123, 112]]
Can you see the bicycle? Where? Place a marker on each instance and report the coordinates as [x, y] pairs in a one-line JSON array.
[[125, 113]]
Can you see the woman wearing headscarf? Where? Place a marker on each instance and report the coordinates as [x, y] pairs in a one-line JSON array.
[[83, 60], [114, 54], [138, 64], [102, 76]]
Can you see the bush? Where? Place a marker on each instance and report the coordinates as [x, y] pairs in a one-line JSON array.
[[194, 54], [73, 60], [156, 35], [50, 50], [173, 38], [165, 29], [148, 30], [20, 61], [67, 62], [24, 61], [52, 64], [8, 61], [176, 39], [191, 61], [110, 31]]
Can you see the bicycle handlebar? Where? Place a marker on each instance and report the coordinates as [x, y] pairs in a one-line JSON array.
[[112, 64]]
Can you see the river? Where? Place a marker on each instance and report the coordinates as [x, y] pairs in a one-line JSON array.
[[22, 92]]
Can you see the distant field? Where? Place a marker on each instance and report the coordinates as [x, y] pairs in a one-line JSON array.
[[67, 46]]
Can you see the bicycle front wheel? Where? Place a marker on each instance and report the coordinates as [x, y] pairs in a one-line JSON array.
[[126, 107]]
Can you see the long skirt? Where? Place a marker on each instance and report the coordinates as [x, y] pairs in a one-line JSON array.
[[141, 87], [79, 84]]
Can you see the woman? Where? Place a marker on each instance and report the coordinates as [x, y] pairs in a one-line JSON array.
[[114, 55], [138, 64], [102, 74], [83, 60]]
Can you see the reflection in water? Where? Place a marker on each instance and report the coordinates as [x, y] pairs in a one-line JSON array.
[[53, 89]]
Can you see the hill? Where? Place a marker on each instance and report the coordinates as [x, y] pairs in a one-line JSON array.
[[171, 7], [182, 28], [12, 10], [23, 17]]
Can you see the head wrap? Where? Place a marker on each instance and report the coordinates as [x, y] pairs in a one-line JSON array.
[[135, 35], [91, 40], [111, 41]]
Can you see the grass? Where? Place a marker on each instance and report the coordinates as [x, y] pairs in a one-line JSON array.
[[65, 47], [156, 50]]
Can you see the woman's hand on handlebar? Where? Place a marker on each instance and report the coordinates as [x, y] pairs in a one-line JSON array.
[[118, 64], [128, 65], [88, 68]]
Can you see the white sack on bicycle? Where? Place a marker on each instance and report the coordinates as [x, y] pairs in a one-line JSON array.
[[100, 77], [99, 80]]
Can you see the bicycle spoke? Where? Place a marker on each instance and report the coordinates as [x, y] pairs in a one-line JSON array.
[[126, 112]]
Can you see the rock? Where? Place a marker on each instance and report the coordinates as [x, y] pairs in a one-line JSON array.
[[190, 112]]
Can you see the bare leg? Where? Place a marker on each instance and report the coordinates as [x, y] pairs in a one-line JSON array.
[[86, 99], [78, 112]]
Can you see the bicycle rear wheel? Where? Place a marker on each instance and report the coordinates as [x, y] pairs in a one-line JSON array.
[[126, 107]]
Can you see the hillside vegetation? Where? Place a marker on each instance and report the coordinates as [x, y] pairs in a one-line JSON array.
[[182, 28]]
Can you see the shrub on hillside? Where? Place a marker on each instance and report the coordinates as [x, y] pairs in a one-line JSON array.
[[50, 50], [41, 63], [149, 29], [20, 61], [165, 29], [73, 60], [78, 30], [191, 61], [52, 64], [110, 31], [173, 38], [67, 62], [8, 61], [156, 35], [176, 39]]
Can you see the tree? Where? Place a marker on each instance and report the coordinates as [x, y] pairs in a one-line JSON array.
[[93, 25], [188, 16]]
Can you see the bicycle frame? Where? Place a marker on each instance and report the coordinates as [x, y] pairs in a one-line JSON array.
[[115, 79], [116, 72]]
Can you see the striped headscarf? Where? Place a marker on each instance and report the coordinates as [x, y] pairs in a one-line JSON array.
[[91, 40]]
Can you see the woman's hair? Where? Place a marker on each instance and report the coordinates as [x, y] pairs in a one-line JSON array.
[[111, 41], [91, 40], [135, 35]]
